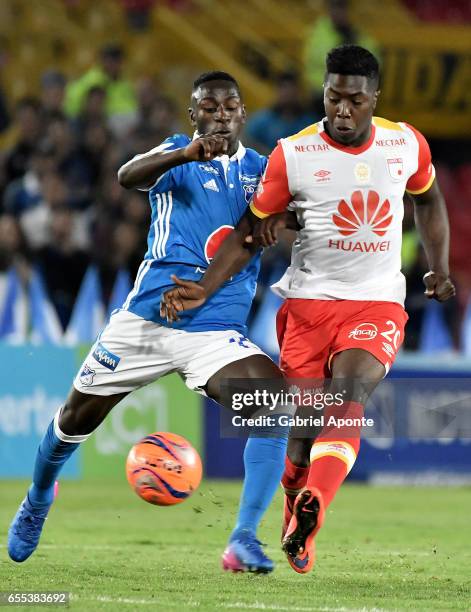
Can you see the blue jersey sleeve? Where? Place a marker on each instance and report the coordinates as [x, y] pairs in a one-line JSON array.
[[172, 177]]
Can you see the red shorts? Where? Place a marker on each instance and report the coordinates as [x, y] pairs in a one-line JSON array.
[[311, 332]]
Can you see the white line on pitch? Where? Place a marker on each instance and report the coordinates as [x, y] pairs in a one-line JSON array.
[[235, 605]]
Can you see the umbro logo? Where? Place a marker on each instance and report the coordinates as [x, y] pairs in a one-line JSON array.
[[211, 184], [322, 176]]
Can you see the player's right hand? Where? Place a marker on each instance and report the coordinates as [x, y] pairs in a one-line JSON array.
[[186, 295], [206, 147], [438, 286]]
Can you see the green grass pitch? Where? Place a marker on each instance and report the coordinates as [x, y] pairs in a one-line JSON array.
[[380, 549]]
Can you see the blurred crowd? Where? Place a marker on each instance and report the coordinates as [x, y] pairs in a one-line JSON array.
[[62, 209], [61, 205]]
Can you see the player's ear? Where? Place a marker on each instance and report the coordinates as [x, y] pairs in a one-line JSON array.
[[375, 97], [192, 115]]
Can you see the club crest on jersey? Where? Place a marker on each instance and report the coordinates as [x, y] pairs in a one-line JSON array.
[[362, 173], [249, 190], [86, 376], [396, 168], [215, 240], [356, 214], [249, 185]]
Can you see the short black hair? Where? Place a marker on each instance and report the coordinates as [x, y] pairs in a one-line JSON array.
[[214, 75], [352, 60]]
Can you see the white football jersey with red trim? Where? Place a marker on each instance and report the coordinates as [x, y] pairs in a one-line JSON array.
[[349, 203]]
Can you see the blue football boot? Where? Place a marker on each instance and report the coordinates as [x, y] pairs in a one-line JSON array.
[[244, 554], [25, 530]]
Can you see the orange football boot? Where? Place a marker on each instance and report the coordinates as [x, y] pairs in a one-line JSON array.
[[307, 519]]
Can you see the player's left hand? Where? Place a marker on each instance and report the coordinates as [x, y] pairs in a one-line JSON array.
[[186, 295], [438, 286]]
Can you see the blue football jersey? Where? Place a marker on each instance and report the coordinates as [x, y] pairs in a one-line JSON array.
[[194, 207]]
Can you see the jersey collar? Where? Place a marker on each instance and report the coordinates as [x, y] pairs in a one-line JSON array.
[[352, 150]]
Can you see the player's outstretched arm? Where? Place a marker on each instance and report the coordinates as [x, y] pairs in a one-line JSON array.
[[143, 170], [233, 255], [431, 219], [266, 231]]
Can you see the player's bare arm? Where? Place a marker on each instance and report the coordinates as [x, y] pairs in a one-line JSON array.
[[267, 231], [233, 255], [144, 170], [431, 220]]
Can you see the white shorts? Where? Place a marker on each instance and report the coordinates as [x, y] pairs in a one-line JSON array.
[[132, 352]]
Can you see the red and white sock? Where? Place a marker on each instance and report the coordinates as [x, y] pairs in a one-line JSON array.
[[334, 452]]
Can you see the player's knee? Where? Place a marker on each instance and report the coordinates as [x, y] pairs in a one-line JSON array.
[[79, 416], [70, 420]]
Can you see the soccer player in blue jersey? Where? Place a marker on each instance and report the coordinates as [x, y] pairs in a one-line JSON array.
[[198, 190]]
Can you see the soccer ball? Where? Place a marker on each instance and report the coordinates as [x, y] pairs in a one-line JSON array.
[[163, 469]]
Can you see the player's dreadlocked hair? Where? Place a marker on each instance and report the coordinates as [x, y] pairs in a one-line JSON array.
[[354, 60], [215, 75]]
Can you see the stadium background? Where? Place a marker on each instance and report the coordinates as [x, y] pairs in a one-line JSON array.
[[71, 239]]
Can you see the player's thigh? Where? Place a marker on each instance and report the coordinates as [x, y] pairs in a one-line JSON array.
[[376, 328], [208, 358], [366, 345], [255, 367], [355, 374], [305, 333], [82, 413]]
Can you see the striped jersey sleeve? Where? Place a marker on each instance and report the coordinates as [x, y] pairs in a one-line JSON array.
[[422, 180], [272, 195]]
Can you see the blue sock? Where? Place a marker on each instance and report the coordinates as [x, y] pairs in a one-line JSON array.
[[264, 461], [51, 456]]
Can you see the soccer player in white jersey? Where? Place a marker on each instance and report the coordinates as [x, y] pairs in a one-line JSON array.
[[343, 315], [198, 190]]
